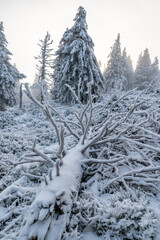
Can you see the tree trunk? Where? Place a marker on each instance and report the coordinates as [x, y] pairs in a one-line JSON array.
[[50, 212], [20, 95]]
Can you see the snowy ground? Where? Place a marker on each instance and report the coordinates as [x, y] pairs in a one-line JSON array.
[[90, 213]]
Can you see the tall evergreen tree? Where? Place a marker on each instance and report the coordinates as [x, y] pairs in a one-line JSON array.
[[75, 63], [99, 63], [155, 73], [130, 73], [127, 69], [36, 89], [114, 74], [138, 71], [45, 64], [9, 75], [143, 70]]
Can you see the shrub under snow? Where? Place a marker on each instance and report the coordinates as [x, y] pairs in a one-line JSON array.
[[121, 218]]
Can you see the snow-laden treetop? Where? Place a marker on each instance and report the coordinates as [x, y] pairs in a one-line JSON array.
[[9, 74], [4, 52], [80, 27]]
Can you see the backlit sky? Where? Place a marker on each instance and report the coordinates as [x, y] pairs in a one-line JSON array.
[[27, 21]]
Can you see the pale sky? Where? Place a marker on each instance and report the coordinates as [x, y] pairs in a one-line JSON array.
[[27, 21]]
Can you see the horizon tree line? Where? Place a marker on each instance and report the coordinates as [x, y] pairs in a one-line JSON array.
[[119, 73], [75, 67]]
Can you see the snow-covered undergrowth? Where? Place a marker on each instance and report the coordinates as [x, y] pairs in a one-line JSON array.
[[120, 145], [121, 218]]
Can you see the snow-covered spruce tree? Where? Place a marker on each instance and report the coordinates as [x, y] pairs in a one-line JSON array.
[[45, 64], [75, 63], [155, 74], [143, 70], [128, 69], [114, 73], [9, 75], [36, 89]]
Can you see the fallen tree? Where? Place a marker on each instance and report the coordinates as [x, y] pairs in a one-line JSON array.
[[114, 149]]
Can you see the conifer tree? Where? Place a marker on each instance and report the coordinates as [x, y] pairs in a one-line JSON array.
[[127, 69], [99, 63], [36, 88], [130, 73], [114, 74], [155, 73], [9, 75], [75, 63], [143, 70], [45, 64]]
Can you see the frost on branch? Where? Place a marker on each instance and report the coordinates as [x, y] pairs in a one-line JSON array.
[[49, 213], [117, 153], [53, 204]]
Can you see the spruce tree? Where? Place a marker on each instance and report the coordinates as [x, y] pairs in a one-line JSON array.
[[114, 74], [75, 63], [45, 64], [143, 71], [36, 89], [155, 73], [9, 75], [127, 69]]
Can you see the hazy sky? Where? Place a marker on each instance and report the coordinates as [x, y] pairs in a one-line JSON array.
[[27, 21]]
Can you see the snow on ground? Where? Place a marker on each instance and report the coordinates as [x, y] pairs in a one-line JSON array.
[[88, 234], [19, 129]]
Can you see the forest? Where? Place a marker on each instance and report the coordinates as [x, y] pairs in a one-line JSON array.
[[80, 147]]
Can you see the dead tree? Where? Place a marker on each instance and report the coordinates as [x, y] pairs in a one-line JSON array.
[[109, 143]]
